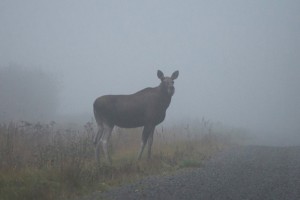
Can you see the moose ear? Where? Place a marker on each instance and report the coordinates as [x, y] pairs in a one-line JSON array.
[[160, 75], [175, 75]]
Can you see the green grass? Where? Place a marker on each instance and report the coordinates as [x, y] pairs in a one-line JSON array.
[[28, 184], [47, 162]]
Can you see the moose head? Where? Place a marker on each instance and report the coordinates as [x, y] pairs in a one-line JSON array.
[[167, 83]]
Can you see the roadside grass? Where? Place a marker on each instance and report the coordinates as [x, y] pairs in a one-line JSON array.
[[47, 161]]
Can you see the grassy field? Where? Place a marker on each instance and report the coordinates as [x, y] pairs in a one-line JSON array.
[[46, 161]]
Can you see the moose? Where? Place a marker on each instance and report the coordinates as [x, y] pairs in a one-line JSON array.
[[145, 108]]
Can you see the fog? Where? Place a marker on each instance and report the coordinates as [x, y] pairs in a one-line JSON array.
[[239, 61]]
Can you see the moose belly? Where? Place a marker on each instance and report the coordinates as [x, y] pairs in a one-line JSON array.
[[133, 120], [129, 123]]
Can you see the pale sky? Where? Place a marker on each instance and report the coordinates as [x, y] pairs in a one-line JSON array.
[[239, 61]]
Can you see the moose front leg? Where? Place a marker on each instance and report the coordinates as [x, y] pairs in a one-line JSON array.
[[147, 131], [150, 141]]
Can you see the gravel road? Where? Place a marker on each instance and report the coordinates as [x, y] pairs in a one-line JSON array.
[[252, 172]]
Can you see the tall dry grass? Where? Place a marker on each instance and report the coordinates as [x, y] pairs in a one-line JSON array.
[[47, 161]]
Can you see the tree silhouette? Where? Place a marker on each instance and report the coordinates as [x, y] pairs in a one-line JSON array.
[[27, 94]]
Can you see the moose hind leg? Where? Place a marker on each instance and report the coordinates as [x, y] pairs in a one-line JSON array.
[[98, 135], [97, 143], [104, 140]]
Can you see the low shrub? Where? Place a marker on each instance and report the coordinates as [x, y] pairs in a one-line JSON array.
[[46, 161]]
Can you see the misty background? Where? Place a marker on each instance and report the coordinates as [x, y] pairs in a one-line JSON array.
[[239, 61]]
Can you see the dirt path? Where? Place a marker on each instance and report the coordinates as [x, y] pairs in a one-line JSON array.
[[253, 172]]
